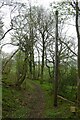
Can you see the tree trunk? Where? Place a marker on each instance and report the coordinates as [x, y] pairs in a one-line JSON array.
[[38, 64], [78, 36], [30, 65], [33, 62], [24, 72], [56, 64], [42, 66], [18, 66]]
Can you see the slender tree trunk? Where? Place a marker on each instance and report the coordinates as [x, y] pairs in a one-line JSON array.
[[42, 66], [78, 36], [33, 66], [24, 72], [32, 46], [38, 64], [56, 64], [18, 67], [30, 65]]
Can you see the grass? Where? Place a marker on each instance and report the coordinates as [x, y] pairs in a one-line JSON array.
[[14, 101], [63, 109]]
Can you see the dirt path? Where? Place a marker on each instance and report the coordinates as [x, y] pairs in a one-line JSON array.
[[36, 103]]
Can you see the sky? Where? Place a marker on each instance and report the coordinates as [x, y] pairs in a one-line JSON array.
[[42, 2], [45, 3], [6, 21]]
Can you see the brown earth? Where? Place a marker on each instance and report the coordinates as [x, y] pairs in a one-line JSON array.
[[35, 102]]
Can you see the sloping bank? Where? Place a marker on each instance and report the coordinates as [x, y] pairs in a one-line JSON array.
[[27, 102]]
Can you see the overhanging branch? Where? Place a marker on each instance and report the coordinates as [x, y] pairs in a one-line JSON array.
[[9, 60]]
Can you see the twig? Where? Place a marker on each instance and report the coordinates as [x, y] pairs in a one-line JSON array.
[[65, 99], [9, 44]]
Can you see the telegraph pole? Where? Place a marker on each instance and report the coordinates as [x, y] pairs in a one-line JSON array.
[[56, 63]]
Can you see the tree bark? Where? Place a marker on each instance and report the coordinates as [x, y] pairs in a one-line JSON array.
[[56, 64], [33, 65], [24, 72], [42, 66], [38, 64], [30, 65], [78, 59]]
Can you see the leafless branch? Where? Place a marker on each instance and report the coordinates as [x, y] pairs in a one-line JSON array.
[[66, 45], [9, 60], [7, 31], [9, 44]]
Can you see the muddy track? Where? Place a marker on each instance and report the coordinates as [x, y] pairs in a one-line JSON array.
[[36, 103]]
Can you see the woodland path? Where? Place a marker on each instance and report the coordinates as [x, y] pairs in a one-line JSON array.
[[36, 102]]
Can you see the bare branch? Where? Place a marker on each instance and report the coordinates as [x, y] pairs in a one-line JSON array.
[[7, 31], [68, 47], [9, 44], [65, 44], [9, 60], [65, 99]]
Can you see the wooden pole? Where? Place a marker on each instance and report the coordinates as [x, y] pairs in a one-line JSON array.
[[78, 59], [56, 63]]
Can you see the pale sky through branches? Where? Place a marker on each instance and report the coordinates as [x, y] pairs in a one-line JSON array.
[[45, 4]]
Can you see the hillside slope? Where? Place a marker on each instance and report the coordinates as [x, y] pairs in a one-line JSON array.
[[23, 103]]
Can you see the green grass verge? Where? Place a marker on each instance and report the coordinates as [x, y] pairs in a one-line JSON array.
[[14, 101], [63, 109]]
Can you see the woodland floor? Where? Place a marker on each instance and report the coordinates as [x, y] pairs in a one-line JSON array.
[[29, 103], [34, 101]]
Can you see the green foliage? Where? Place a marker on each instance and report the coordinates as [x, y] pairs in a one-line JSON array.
[[63, 109], [12, 103], [46, 74], [14, 100], [68, 82], [8, 71], [47, 87], [28, 85], [30, 25]]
